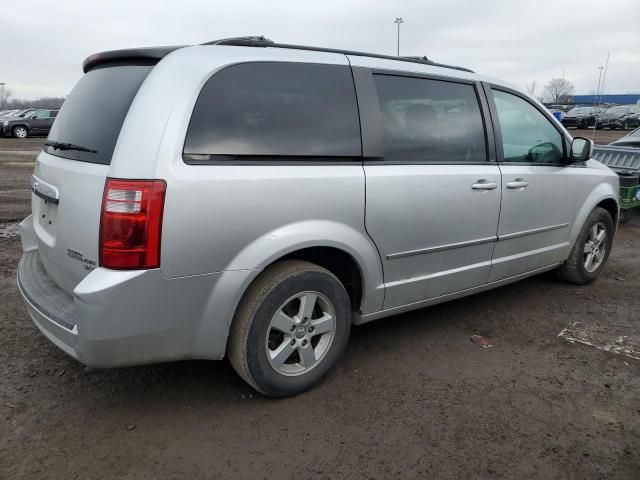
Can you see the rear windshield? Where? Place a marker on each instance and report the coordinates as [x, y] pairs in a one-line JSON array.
[[94, 112]]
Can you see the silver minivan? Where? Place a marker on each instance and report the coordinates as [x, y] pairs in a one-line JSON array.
[[255, 200]]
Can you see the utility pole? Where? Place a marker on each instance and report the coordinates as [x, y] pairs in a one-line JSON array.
[[398, 21]]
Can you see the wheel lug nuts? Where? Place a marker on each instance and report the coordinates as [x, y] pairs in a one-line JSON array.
[[293, 342], [310, 329], [304, 343], [304, 320], [293, 327]]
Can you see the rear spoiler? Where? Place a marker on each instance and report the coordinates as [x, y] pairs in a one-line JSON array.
[[136, 56]]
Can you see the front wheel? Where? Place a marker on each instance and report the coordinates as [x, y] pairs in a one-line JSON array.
[[20, 132], [591, 250], [290, 328]]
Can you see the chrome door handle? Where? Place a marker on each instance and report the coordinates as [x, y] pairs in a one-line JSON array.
[[484, 185], [518, 183]]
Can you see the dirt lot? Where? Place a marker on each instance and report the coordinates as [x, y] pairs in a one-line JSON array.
[[412, 397]]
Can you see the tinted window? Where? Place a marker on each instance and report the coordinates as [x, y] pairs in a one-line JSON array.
[[430, 120], [94, 112], [527, 135], [275, 109], [41, 114]]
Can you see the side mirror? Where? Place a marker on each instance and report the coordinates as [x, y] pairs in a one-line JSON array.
[[581, 149]]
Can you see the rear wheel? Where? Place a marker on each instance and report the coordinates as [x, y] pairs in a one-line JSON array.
[[292, 325], [20, 132], [591, 250]]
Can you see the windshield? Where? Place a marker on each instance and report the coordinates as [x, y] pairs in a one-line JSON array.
[[25, 113], [580, 111], [93, 114], [622, 109]]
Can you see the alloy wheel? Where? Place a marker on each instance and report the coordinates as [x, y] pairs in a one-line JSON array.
[[300, 333], [595, 248]]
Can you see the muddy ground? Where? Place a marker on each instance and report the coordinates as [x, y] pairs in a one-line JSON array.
[[413, 397]]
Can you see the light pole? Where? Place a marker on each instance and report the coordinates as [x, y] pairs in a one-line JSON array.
[[398, 21], [598, 89], [604, 76]]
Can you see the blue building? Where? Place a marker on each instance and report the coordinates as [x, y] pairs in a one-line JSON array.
[[618, 98]]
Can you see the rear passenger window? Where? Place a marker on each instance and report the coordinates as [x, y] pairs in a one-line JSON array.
[[428, 120], [275, 109]]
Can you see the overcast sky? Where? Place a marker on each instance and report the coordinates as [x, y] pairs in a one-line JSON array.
[[520, 41]]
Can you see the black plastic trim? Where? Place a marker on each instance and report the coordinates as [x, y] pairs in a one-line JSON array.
[[428, 76], [257, 160], [371, 131]]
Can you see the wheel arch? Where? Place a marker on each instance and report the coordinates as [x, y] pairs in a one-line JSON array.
[[611, 206], [346, 252], [14, 126], [603, 196]]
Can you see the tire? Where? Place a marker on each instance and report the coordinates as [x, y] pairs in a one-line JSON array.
[[577, 268], [20, 132], [272, 318]]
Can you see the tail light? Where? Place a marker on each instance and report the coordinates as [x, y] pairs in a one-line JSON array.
[[131, 223]]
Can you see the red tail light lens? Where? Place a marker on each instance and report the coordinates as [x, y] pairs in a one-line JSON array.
[[131, 223]]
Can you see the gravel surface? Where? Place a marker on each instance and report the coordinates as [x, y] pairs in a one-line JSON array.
[[413, 397]]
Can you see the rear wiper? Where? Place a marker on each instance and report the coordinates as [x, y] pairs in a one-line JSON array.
[[68, 146]]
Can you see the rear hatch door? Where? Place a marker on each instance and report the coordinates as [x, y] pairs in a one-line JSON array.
[[70, 173]]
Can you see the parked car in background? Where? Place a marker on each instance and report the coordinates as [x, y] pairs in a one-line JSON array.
[[21, 113], [287, 193], [633, 121], [563, 108], [619, 117], [35, 123], [580, 117]]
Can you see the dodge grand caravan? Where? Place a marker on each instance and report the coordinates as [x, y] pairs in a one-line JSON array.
[[255, 200]]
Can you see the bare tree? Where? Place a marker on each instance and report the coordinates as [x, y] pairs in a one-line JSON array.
[[42, 102], [558, 90], [531, 88], [5, 96]]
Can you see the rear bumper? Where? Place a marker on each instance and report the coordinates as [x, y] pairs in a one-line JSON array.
[[118, 318]]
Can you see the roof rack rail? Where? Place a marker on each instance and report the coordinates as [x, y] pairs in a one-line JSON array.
[[261, 41], [250, 41]]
